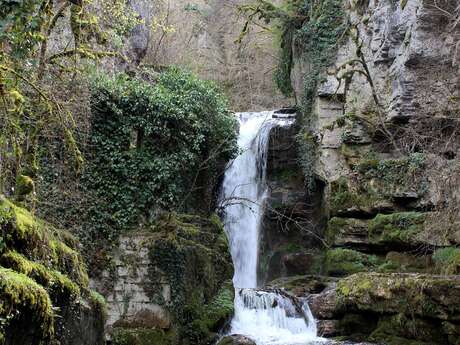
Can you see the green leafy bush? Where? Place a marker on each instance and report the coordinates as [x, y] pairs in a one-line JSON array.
[[155, 146]]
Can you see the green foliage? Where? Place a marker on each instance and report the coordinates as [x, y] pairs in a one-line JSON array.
[[153, 144], [341, 262], [318, 40], [343, 197], [393, 171], [447, 260], [20, 24], [40, 82]]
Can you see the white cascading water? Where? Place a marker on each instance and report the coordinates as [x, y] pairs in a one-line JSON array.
[[268, 318]]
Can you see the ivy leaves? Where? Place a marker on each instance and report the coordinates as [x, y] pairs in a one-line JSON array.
[[149, 143]]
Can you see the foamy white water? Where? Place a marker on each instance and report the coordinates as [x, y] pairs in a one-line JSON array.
[[268, 318]]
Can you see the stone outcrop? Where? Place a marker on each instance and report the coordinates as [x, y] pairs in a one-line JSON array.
[[170, 283], [292, 218]]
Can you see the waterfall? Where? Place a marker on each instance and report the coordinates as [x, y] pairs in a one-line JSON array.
[[267, 317]]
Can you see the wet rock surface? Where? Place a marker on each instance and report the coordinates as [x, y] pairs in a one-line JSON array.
[[236, 339]]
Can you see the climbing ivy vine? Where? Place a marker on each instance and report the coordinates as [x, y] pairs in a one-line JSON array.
[[151, 143], [312, 29]]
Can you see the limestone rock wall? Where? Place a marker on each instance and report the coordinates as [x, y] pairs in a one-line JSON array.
[[126, 287], [386, 150], [169, 283]]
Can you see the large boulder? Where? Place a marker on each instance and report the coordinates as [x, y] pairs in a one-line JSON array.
[[426, 296], [236, 339], [388, 308]]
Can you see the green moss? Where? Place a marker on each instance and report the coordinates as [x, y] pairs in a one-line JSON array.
[[18, 223], [190, 252], [291, 248], [391, 176], [334, 227], [54, 281], [21, 295], [98, 302], [220, 308], [343, 197], [402, 330], [69, 261], [405, 262], [39, 272], [447, 260], [340, 262], [419, 295], [399, 228], [142, 336], [40, 241], [402, 4], [24, 186]]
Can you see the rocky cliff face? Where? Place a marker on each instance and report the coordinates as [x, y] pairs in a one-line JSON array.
[[385, 146]]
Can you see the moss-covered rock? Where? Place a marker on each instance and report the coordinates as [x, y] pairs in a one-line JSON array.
[[43, 284], [57, 284], [447, 260], [421, 295], [348, 200], [397, 230], [403, 330], [378, 185], [348, 232], [24, 305], [41, 242], [407, 263], [183, 285], [341, 262], [143, 336]]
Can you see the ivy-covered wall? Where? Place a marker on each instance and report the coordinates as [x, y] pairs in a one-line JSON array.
[[153, 146]]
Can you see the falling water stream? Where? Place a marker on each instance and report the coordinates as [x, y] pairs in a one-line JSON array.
[[268, 318]]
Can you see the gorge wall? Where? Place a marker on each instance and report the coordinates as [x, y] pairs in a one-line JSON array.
[[382, 133]]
